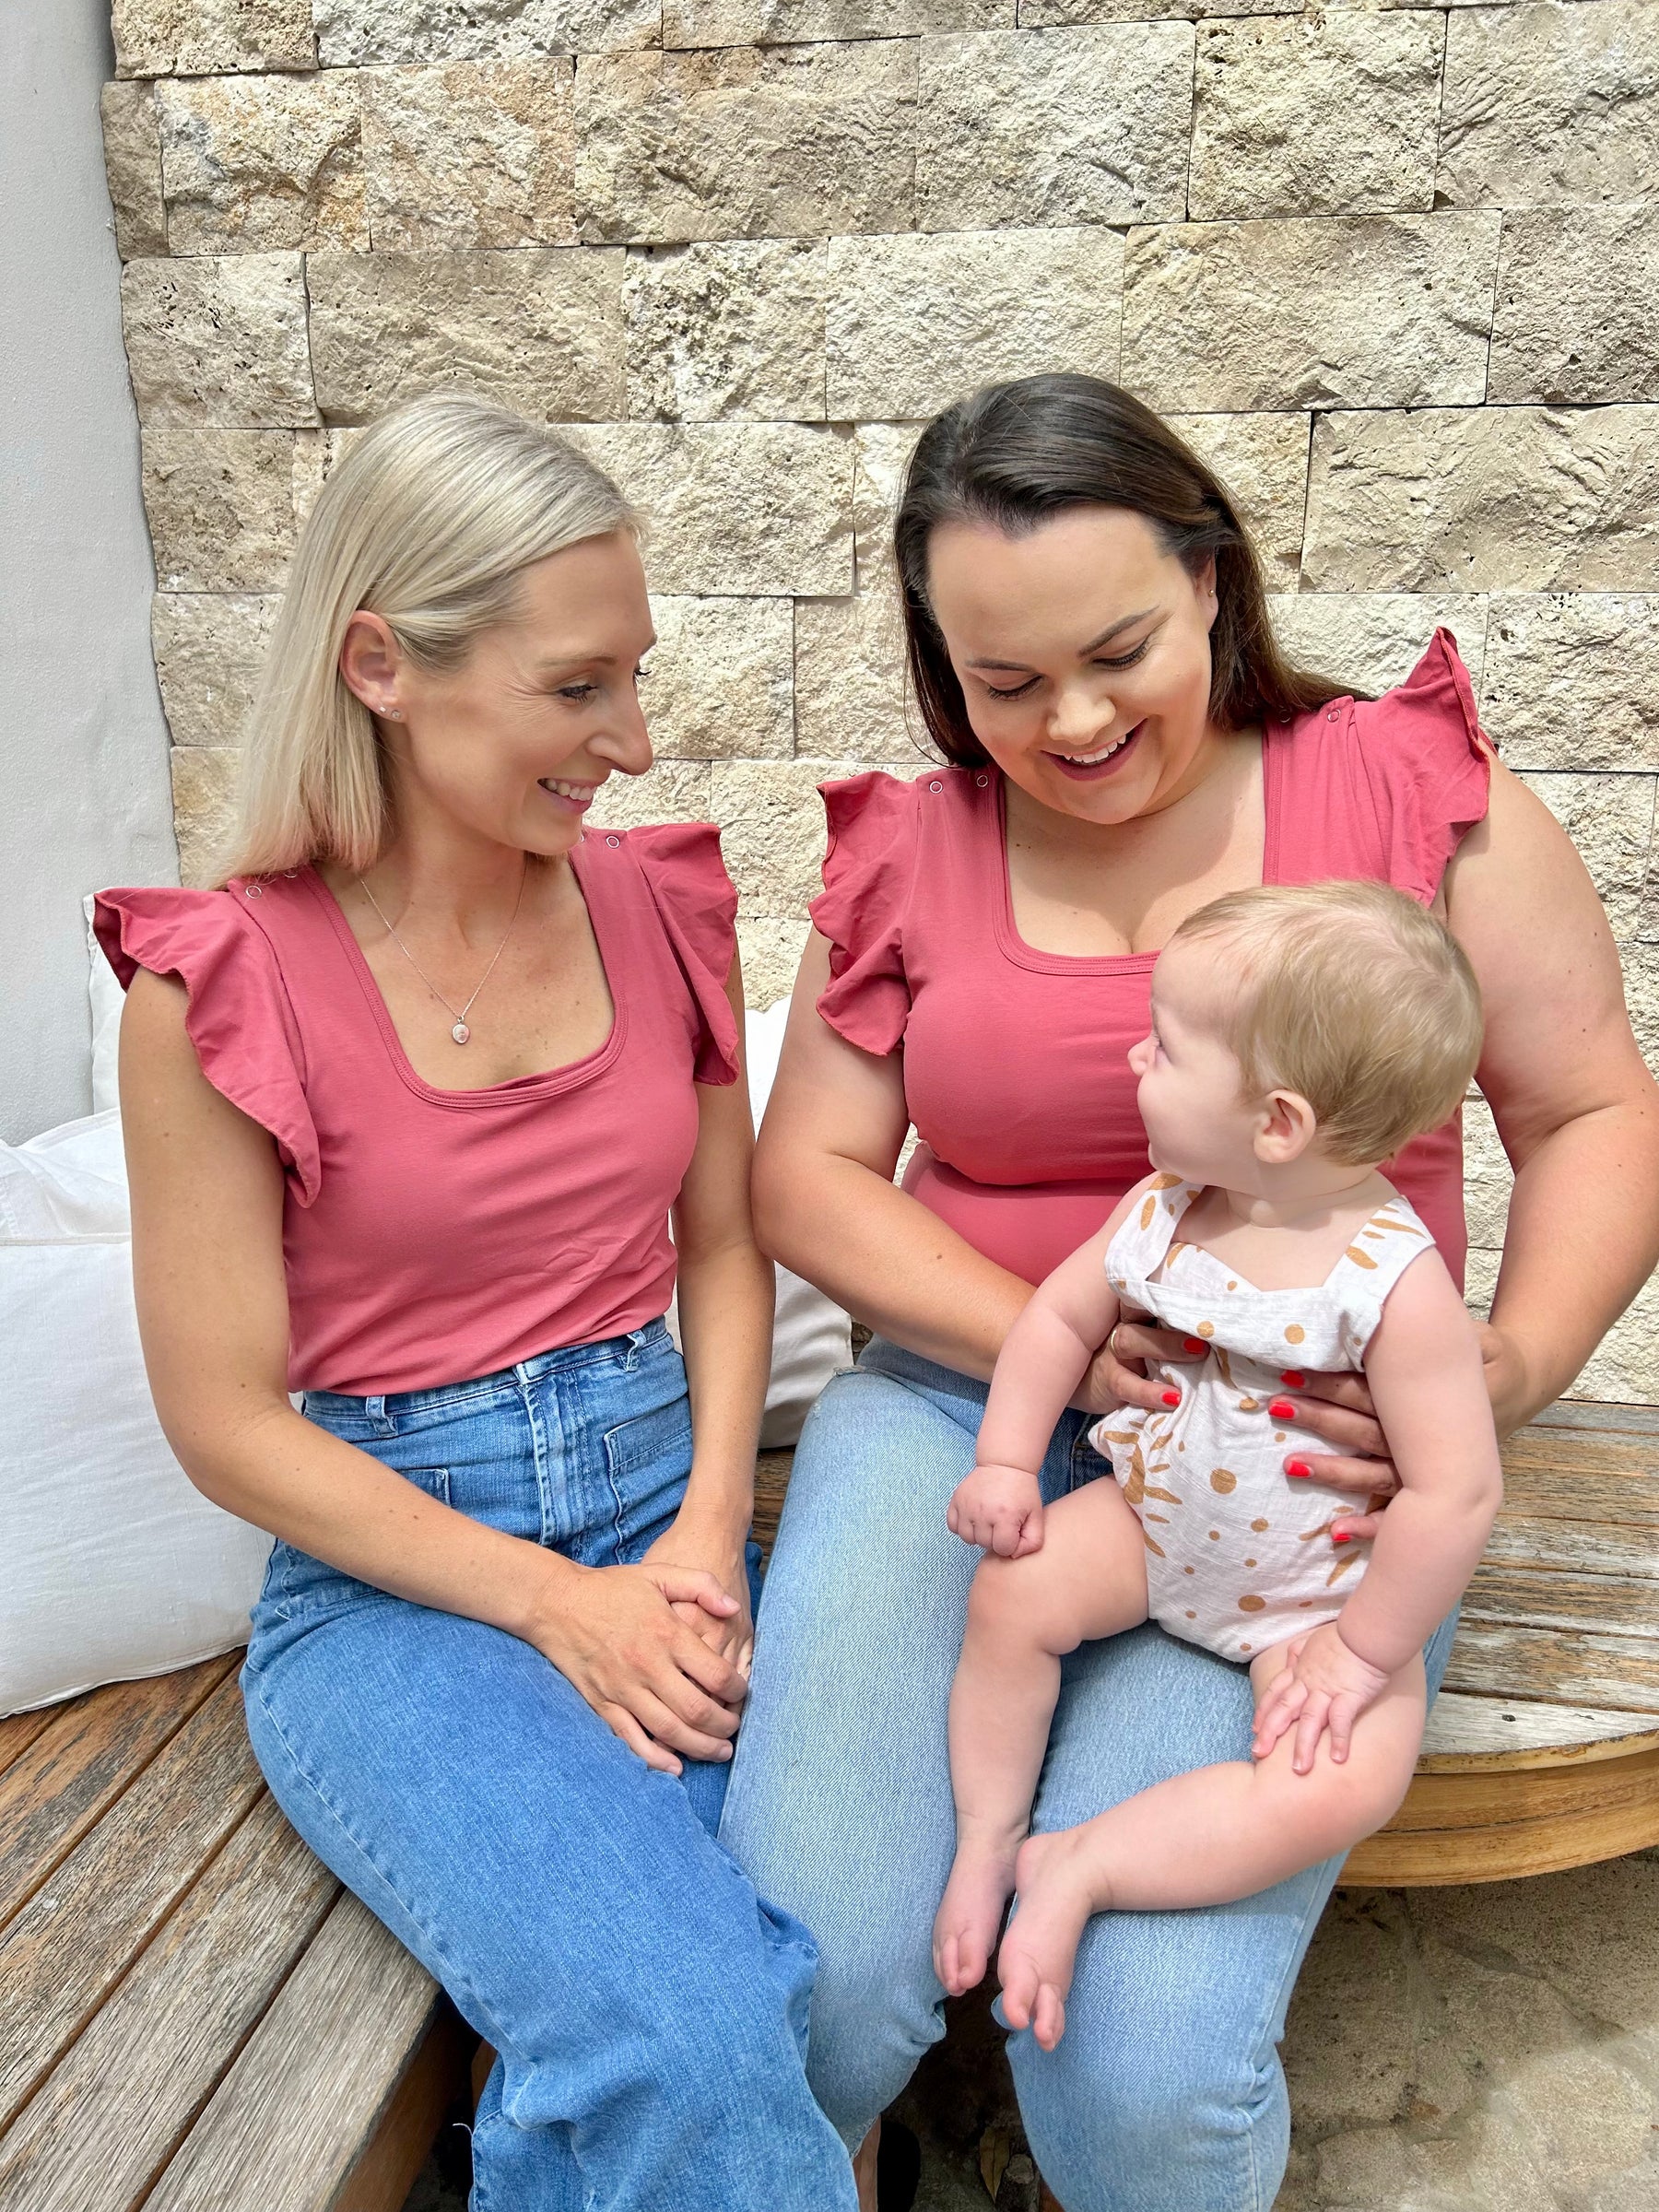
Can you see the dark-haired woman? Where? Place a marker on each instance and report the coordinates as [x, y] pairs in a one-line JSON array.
[[1089, 643]]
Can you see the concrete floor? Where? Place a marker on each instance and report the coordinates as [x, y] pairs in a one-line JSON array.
[[1485, 2049]]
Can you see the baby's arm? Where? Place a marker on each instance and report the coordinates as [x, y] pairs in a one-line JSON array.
[[1045, 1356], [1424, 1368]]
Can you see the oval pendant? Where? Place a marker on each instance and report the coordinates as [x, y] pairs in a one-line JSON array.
[[460, 1033]]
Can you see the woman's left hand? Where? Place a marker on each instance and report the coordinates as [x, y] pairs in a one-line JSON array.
[[691, 1541], [1338, 1408]]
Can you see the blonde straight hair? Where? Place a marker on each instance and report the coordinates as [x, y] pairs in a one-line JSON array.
[[428, 521], [1355, 997]]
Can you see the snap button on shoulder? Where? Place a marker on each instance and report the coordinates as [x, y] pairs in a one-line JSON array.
[[253, 890], [613, 840], [936, 785], [982, 779]]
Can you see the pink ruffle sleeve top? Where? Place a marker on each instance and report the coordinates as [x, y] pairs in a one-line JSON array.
[[1015, 1060], [430, 1236]]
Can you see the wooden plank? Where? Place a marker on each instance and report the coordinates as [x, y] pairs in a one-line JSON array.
[[1552, 1599], [1417, 1860], [81, 1930], [18, 1730], [71, 1774], [1581, 1477], [109, 2117], [1597, 1413], [435, 2082], [772, 1479], [1491, 1734], [1499, 1799], [1616, 1673], [289, 2120], [1575, 1546]]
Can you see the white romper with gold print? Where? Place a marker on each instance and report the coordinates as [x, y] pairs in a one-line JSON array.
[[1239, 1554]]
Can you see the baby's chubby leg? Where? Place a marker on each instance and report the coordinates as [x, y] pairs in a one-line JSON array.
[[1024, 1615], [1203, 1838]]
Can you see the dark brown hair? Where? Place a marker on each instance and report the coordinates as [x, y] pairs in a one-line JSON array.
[[1015, 455]]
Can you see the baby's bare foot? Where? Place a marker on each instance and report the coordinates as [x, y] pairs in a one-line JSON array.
[[972, 1910], [1058, 1890]]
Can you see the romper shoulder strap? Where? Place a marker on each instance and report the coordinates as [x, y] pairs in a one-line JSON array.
[[1138, 1248], [1381, 1251]]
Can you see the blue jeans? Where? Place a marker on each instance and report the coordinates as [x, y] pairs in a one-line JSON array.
[[648, 2008], [1166, 2092]]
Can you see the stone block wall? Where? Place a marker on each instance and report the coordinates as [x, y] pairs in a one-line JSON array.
[[1394, 269]]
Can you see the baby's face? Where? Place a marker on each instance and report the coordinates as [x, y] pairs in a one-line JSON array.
[[1199, 1123]]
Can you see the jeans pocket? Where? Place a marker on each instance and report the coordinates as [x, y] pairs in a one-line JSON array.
[[295, 1582], [647, 1460]]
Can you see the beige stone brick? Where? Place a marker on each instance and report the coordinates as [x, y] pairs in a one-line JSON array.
[[209, 650], [1610, 819], [916, 321], [1332, 114], [258, 164], [1577, 314], [539, 330], [1488, 499], [1371, 640], [1572, 679], [1487, 1176], [1263, 461], [673, 791], [850, 699], [792, 22], [1548, 105], [218, 340], [316, 455], [1077, 127], [733, 327], [197, 38], [470, 154], [205, 783], [1365, 310], [353, 31], [220, 507], [740, 510], [881, 454], [1640, 959], [760, 142], [720, 681], [1036, 15], [769, 948], [132, 145], [773, 830]]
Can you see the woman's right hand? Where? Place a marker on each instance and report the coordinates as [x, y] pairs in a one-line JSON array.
[[613, 1633], [1116, 1375]]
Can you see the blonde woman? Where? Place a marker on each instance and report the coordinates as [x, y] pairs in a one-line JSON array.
[[409, 1102]]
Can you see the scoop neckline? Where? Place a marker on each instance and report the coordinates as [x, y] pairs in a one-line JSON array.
[[1015, 948], [545, 1082]]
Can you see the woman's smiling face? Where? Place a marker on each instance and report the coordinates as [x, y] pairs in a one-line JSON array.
[[1084, 656]]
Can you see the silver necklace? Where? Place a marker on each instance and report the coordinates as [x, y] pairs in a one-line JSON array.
[[460, 1033]]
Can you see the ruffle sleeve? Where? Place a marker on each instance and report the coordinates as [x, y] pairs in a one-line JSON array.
[[697, 903], [1429, 763], [238, 1016], [868, 868]]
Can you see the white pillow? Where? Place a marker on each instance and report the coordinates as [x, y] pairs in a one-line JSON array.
[[113, 1565], [106, 997], [812, 1335]]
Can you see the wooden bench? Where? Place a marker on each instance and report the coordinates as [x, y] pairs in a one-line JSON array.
[[194, 2015], [195, 2018]]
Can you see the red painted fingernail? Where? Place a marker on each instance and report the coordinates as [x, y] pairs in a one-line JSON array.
[[1192, 1344], [1281, 1409], [1291, 1380], [1298, 1466], [1342, 1539], [1171, 1397]]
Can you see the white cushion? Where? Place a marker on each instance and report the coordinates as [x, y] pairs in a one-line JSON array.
[[106, 997], [113, 1565]]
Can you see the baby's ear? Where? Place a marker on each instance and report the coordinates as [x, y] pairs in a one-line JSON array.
[[1287, 1126]]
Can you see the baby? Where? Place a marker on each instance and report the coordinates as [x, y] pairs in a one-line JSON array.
[[1299, 1036]]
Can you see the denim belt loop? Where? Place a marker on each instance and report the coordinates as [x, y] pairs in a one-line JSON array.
[[374, 1409]]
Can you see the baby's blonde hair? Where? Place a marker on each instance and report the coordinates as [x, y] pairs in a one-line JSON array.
[[1353, 996], [428, 520]]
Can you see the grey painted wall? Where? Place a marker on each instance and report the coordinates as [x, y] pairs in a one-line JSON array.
[[83, 746]]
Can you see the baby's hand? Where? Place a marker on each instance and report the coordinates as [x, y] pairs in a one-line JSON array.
[[1000, 1509], [1323, 1687]]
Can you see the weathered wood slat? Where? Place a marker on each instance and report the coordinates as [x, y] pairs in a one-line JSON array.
[[80, 1931], [1491, 1734], [1617, 1673], [1491, 1800], [1599, 1413], [1575, 1546], [436, 2079], [1581, 1478], [1429, 1858], [1617, 1603], [18, 1730], [288, 2124], [113, 2112], [53, 1793], [772, 1479]]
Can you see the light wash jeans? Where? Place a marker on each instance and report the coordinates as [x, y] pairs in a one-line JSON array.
[[1165, 2093], [649, 2008]]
